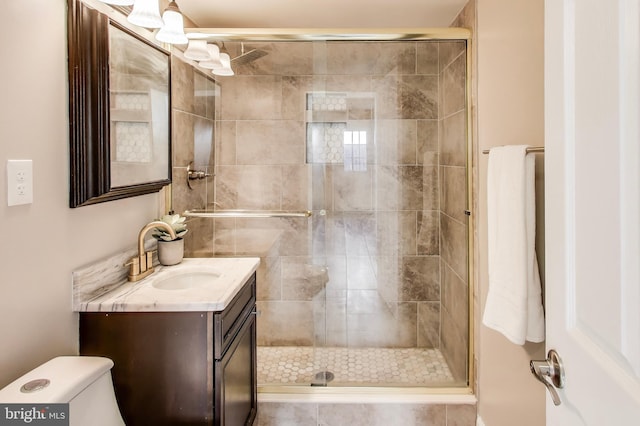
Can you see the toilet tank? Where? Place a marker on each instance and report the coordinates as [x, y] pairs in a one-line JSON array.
[[84, 382]]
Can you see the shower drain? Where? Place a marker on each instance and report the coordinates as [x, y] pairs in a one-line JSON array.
[[322, 378]]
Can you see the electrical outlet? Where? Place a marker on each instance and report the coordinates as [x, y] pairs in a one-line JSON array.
[[19, 182]]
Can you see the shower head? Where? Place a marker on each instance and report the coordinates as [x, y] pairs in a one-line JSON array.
[[246, 57]]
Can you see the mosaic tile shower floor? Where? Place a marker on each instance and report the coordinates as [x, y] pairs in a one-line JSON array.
[[353, 366]]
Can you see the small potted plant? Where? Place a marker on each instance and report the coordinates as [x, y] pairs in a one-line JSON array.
[[171, 251]]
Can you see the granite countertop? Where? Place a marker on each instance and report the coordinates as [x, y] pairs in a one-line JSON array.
[[144, 296]]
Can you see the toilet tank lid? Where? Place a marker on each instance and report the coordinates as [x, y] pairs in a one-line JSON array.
[[68, 376]]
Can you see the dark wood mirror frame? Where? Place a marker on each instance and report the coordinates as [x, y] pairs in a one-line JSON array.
[[89, 122]]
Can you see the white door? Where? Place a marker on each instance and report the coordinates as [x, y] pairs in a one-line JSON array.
[[592, 199]]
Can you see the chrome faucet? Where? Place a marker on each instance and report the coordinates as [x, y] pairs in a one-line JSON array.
[[142, 265]]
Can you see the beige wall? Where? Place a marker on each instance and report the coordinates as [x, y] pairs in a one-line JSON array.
[[43, 242], [510, 111]]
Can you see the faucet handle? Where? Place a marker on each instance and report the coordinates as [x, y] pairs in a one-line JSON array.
[[134, 266]]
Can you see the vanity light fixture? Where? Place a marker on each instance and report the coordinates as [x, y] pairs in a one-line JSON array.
[[146, 14], [214, 58], [226, 64], [173, 29], [197, 50]]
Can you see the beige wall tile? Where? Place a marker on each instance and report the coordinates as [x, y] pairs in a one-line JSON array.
[[427, 58], [269, 279], [249, 187], [359, 233], [182, 85], [362, 58], [374, 324], [381, 414], [352, 190], [454, 347], [450, 50], [361, 273], [427, 138], [200, 93], [420, 278], [226, 143], [429, 324], [183, 138], [396, 142], [251, 98], [294, 96], [453, 86], [453, 145], [203, 142], [461, 415], [283, 58], [428, 232], [430, 189], [407, 96], [285, 323], [343, 83], [262, 142], [453, 195], [396, 233], [286, 414], [304, 278], [455, 296], [184, 198], [453, 244], [295, 187]]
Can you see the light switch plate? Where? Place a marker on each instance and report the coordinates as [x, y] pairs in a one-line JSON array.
[[19, 182]]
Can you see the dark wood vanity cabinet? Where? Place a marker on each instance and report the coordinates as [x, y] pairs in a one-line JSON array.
[[180, 368]]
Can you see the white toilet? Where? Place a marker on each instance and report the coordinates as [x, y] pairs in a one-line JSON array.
[[84, 382]]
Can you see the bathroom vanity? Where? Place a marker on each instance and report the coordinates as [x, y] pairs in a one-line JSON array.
[[175, 365]]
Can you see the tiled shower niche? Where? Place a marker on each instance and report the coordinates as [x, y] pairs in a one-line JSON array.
[[334, 136], [371, 137]]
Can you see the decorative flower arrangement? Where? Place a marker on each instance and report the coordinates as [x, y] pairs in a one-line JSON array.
[[176, 222]]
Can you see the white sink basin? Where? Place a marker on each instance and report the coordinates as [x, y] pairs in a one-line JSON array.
[[186, 280]]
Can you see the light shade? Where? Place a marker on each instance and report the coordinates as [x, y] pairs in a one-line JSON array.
[[173, 29], [119, 2], [146, 14], [197, 50], [214, 58], [226, 66]]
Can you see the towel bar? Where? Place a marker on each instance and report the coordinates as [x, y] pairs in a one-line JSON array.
[[245, 213], [532, 150]]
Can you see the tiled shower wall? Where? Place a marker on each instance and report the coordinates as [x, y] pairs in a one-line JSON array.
[[454, 314], [368, 272], [193, 109]]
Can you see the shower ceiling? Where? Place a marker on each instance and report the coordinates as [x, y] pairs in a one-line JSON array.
[[324, 13]]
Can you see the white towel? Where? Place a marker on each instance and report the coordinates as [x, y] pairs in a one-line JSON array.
[[514, 302]]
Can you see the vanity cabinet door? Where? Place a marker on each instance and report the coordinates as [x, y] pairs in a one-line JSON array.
[[235, 379], [162, 370]]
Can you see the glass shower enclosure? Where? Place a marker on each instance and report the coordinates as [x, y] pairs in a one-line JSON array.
[[370, 136]]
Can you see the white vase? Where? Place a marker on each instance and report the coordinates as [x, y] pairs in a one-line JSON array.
[[170, 252]]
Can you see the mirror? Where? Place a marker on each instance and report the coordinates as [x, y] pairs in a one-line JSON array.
[[119, 110]]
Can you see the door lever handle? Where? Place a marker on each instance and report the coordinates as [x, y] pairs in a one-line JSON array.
[[550, 372]]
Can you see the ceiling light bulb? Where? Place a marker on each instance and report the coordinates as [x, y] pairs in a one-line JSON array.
[[214, 58], [146, 14], [173, 29], [226, 66], [197, 50]]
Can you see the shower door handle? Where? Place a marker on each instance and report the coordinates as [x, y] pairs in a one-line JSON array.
[[550, 372]]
